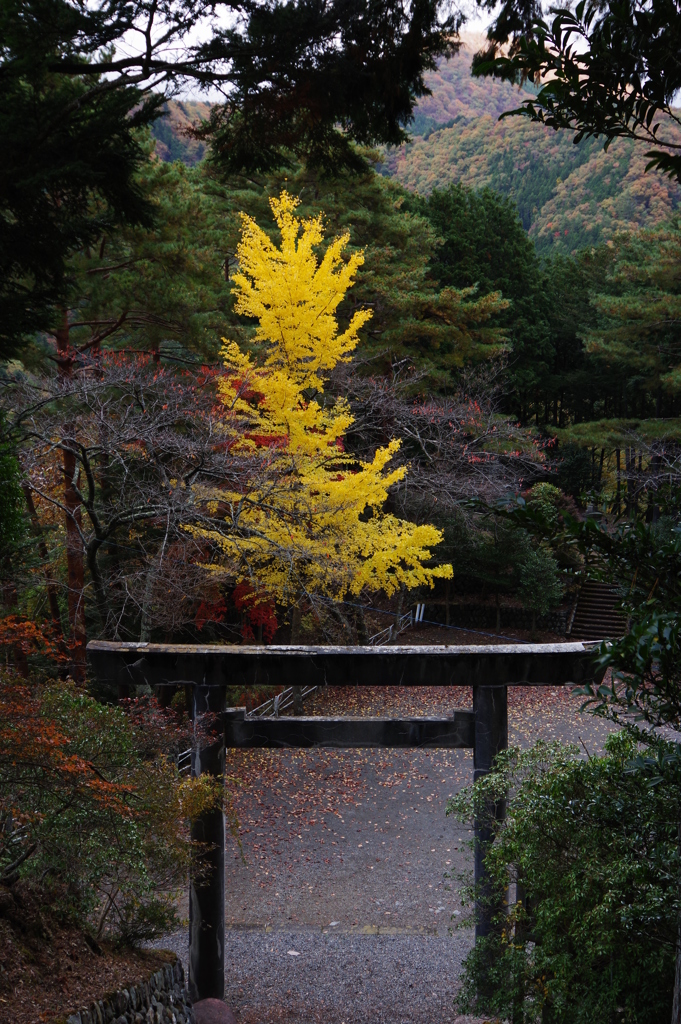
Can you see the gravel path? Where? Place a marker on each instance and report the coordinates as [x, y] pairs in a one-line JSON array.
[[343, 877], [312, 977]]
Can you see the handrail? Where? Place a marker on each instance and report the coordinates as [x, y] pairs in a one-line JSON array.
[[390, 632], [275, 705]]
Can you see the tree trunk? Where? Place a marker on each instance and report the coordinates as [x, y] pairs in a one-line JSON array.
[[676, 1003], [74, 543], [654, 508], [337, 614], [153, 573], [11, 600], [630, 493], [362, 631], [52, 596], [520, 938], [296, 619], [593, 466], [398, 613], [147, 601], [75, 566], [98, 583], [297, 700]]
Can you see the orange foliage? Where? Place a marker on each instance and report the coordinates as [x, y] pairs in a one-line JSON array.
[[30, 637], [35, 752]]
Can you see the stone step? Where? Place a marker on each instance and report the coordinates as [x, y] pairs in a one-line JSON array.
[[595, 616], [596, 634], [601, 609], [591, 609]]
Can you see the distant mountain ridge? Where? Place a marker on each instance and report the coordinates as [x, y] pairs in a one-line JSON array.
[[170, 131], [456, 95], [568, 196]]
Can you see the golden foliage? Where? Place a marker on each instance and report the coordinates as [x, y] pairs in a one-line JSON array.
[[198, 794], [314, 521]]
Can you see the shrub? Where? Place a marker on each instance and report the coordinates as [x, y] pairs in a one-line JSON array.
[[104, 829], [546, 500], [591, 847], [540, 583], [574, 469]]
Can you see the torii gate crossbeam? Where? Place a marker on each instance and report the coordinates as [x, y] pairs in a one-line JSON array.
[[209, 669]]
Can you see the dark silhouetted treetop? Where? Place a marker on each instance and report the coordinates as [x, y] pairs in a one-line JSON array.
[[608, 69], [78, 79], [308, 76], [70, 151], [302, 76]]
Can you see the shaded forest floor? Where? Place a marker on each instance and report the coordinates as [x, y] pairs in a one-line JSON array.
[[48, 971]]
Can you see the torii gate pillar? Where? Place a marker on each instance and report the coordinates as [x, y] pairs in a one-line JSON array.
[[207, 888], [490, 708]]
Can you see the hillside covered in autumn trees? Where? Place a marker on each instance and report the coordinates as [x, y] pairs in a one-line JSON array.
[[568, 196]]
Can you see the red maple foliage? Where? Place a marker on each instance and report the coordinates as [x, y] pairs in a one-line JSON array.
[[259, 612], [210, 611]]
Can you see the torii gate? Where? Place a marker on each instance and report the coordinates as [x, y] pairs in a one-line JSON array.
[[209, 669]]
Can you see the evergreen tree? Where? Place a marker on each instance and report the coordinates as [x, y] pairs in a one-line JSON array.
[[167, 289], [574, 388], [484, 245], [413, 318], [74, 88], [163, 289], [540, 583], [70, 155], [640, 309]]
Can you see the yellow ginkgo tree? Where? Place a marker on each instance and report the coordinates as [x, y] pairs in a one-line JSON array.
[[309, 518]]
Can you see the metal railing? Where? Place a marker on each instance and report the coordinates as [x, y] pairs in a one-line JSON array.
[[284, 700], [275, 705], [390, 632]]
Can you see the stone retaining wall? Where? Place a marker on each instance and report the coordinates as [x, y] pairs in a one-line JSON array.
[[163, 999]]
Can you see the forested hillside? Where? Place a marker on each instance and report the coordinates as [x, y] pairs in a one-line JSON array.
[[568, 196], [263, 385], [170, 132]]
